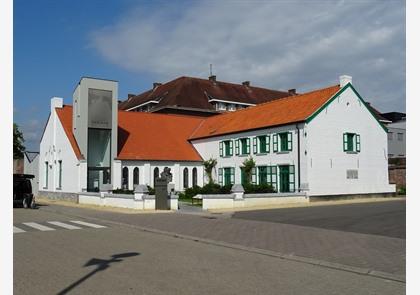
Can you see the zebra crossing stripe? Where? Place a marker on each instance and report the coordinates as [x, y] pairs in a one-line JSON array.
[[64, 225], [38, 226], [17, 230], [87, 224]]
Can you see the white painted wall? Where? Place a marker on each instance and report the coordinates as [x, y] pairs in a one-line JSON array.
[[56, 146], [32, 168], [146, 170], [396, 144], [327, 163], [209, 148]]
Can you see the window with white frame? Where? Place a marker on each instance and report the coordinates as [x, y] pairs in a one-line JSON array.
[[351, 142], [226, 148], [400, 136], [242, 146], [60, 173], [282, 142], [261, 144], [390, 135], [226, 176]]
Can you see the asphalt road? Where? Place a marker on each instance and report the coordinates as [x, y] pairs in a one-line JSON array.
[[119, 259], [376, 218]]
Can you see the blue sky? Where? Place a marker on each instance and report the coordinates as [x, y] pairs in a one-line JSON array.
[[274, 44]]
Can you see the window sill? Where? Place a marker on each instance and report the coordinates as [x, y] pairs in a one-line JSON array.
[[261, 154], [58, 188], [283, 152], [352, 152], [243, 155]]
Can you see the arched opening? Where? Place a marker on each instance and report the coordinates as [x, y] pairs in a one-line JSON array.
[[135, 177], [125, 178], [155, 175], [185, 177], [194, 176]]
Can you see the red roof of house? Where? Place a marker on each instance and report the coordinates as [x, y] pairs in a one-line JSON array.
[[278, 112], [66, 117], [189, 92], [148, 136], [154, 136], [145, 136]]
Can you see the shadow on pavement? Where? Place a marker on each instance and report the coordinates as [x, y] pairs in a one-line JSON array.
[[101, 265]]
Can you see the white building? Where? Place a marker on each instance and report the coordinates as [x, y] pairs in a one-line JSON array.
[[324, 142]]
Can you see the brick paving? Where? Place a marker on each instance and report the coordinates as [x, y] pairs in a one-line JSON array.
[[374, 252]]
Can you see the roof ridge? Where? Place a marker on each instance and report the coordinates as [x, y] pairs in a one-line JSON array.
[[273, 101], [159, 114]]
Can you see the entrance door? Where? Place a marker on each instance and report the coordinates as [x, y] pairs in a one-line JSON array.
[[287, 178], [284, 179]]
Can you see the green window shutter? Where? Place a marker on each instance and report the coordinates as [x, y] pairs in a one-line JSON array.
[[289, 141], [275, 142], [243, 176], [230, 147], [254, 175], [221, 149], [248, 146], [274, 177], [292, 178], [237, 147], [358, 142], [267, 143], [232, 175], [255, 150], [345, 142], [220, 176]]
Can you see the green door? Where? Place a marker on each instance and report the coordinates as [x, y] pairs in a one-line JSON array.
[[284, 179], [287, 178]]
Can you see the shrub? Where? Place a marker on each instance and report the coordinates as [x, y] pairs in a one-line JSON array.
[[258, 188], [122, 191], [151, 190], [401, 190]]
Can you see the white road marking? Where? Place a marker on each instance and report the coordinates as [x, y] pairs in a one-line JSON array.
[[88, 224], [64, 225], [38, 226], [17, 230]]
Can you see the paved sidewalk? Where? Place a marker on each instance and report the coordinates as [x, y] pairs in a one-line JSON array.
[[379, 253]]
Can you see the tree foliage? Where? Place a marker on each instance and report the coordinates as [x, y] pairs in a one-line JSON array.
[[208, 168], [248, 164], [18, 140]]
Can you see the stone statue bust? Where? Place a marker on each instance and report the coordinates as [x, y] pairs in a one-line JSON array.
[[166, 173]]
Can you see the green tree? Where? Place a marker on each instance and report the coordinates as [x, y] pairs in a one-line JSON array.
[[18, 140], [208, 168], [248, 164]]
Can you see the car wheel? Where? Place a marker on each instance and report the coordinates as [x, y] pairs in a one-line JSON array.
[[25, 203], [33, 206]]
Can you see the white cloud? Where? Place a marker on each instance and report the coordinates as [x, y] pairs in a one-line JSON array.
[[282, 44]]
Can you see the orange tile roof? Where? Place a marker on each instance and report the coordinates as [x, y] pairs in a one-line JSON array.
[[149, 136], [145, 136], [165, 137], [278, 112], [66, 117]]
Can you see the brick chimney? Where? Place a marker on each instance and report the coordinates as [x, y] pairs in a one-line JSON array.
[[246, 83], [130, 95], [292, 91], [212, 78]]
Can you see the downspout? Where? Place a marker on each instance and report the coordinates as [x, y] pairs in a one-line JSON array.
[[298, 156]]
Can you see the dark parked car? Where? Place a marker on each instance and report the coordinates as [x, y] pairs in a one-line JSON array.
[[22, 191]]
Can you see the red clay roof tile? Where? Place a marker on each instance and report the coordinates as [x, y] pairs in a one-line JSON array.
[[278, 112]]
